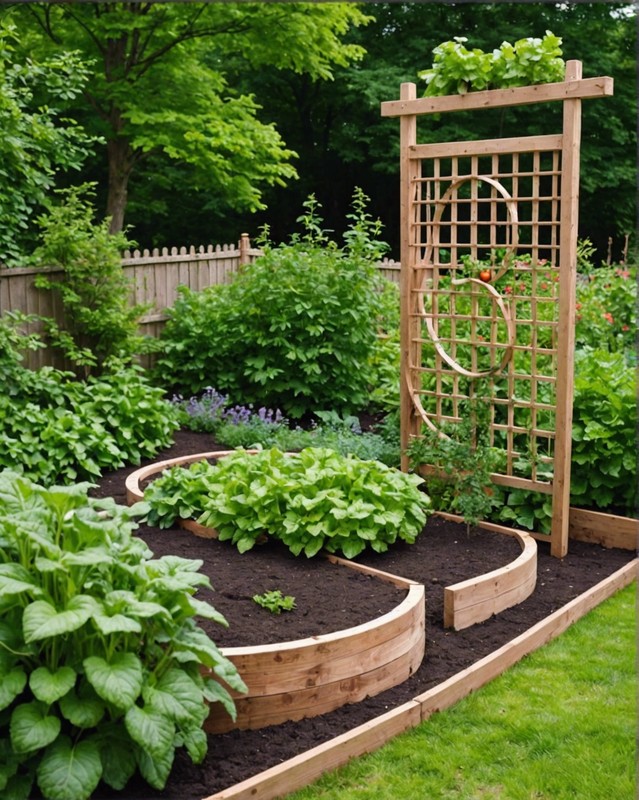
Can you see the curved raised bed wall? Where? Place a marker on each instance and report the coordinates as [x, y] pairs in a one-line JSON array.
[[308, 677]]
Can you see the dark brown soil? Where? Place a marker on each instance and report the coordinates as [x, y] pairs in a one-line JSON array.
[[332, 598]]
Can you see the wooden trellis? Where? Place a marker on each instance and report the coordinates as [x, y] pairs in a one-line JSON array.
[[488, 273]]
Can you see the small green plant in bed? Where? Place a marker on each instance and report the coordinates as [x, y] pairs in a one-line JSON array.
[[310, 500], [274, 601], [100, 653]]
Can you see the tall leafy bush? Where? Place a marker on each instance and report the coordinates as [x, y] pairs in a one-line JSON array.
[[604, 451], [100, 654], [295, 330], [99, 323]]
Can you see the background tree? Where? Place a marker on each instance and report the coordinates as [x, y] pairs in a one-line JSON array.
[[37, 142], [343, 142], [159, 88]]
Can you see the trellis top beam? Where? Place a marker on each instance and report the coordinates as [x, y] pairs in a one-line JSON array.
[[518, 95]]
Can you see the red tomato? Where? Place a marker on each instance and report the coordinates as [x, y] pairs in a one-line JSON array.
[[485, 275]]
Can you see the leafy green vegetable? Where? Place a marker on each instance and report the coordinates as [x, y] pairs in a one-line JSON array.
[[309, 500], [295, 330], [87, 692], [457, 70], [275, 601]]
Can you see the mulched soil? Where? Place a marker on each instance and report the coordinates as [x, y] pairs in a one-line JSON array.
[[331, 598]]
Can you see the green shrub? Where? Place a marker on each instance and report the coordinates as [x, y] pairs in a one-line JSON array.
[[100, 668], [607, 309], [604, 443], [295, 330], [309, 500], [99, 323], [55, 429], [457, 70]]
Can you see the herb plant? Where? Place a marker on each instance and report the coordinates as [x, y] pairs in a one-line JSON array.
[[309, 500], [100, 324], [457, 70], [274, 601], [101, 658]]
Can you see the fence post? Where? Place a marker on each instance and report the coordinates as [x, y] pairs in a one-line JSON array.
[[245, 244]]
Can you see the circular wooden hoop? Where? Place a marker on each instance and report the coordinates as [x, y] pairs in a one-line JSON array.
[[511, 206], [508, 351]]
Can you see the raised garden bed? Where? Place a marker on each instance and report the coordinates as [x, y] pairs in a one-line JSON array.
[[272, 760]]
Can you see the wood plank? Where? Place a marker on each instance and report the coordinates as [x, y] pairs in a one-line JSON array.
[[258, 712], [499, 98], [569, 214], [608, 530], [468, 602], [277, 667], [484, 670], [307, 767], [518, 144], [301, 654]]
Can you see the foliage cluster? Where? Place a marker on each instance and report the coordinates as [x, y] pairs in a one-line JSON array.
[[607, 308], [604, 452], [100, 324], [55, 429], [100, 664], [462, 461], [295, 330], [274, 601], [242, 426], [309, 500], [457, 70], [38, 142]]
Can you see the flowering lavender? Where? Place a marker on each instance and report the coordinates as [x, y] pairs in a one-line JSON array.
[[204, 413], [209, 413]]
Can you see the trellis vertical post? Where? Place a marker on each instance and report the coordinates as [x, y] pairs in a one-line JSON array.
[[408, 257], [566, 328]]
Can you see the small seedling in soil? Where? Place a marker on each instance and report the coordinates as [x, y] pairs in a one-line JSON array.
[[275, 601]]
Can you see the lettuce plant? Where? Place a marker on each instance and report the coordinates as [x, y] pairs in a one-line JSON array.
[[309, 500], [100, 655]]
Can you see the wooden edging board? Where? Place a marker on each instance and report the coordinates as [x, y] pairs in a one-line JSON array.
[[468, 602], [308, 677], [303, 769]]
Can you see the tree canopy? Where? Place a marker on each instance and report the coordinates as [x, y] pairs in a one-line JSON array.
[[210, 111], [343, 142], [38, 143], [158, 86]]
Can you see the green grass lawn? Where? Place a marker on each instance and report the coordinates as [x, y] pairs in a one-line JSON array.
[[560, 725]]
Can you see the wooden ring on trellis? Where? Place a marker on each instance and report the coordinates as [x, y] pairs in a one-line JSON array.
[[511, 207], [510, 327]]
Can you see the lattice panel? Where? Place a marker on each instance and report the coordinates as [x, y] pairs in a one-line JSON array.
[[485, 296]]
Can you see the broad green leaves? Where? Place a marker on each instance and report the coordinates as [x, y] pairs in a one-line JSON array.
[[310, 500], [457, 70], [118, 681], [99, 650], [70, 771]]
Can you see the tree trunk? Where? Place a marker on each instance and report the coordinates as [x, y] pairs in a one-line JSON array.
[[121, 161]]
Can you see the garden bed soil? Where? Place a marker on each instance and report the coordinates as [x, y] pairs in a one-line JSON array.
[[330, 598]]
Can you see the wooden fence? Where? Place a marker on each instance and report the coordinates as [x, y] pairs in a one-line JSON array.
[[154, 276]]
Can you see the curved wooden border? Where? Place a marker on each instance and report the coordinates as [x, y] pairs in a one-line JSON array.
[[308, 677], [301, 770], [477, 599]]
